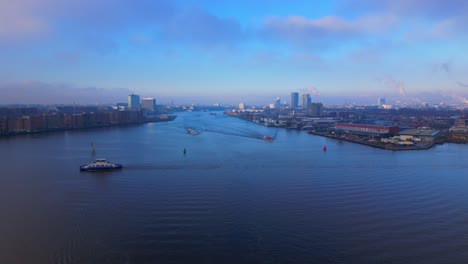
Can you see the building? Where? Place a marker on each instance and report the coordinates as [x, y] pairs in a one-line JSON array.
[[134, 101], [367, 128], [419, 134], [277, 103], [315, 109], [241, 106], [381, 102], [3, 125], [306, 101], [148, 103], [294, 100]]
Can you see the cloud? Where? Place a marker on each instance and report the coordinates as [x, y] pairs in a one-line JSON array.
[[447, 67], [302, 31], [195, 26], [306, 60], [430, 8], [421, 20], [99, 24], [365, 56], [18, 20], [439, 30]]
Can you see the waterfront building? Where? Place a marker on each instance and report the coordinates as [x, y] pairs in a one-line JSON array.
[[241, 106], [419, 134], [367, 128], [306, 101], [294, 100], [3, 125], [148, 103], [134, 101]]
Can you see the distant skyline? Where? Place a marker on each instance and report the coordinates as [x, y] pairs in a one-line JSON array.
[[343, 51]]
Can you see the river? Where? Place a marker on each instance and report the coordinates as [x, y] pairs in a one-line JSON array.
[[232, 198]]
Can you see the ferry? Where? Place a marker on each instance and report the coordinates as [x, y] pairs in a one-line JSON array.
[[101, 165], [192, 131]]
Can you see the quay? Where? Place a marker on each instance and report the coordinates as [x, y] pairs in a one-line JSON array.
[[374, 143], [384, 136]]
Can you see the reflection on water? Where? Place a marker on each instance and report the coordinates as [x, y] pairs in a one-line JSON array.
[[229, 199]]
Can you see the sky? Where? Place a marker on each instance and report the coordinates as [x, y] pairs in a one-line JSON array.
[[341, 51]]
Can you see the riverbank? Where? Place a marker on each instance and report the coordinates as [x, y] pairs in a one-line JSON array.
[[165, 118], [376, 144]]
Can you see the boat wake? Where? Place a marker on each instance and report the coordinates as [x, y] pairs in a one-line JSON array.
[[170, 167], [239, 133]]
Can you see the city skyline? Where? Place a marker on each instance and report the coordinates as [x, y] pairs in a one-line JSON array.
[[229, 51]]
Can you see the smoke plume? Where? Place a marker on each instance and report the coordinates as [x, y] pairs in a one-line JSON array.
[[394, 84], [311, 90]]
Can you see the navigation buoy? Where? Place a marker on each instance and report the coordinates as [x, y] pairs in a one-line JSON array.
[[324, 148], [185, 151]]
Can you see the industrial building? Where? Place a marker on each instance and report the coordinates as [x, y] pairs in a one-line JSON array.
[[419, 134], [367, 128]]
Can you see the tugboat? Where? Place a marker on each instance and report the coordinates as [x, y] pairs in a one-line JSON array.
[[268, 138], [192, 132], [101, 165]]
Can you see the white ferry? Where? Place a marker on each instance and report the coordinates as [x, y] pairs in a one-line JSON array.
[[101, 165]]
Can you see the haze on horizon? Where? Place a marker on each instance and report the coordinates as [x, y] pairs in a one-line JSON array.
[[99, 51]]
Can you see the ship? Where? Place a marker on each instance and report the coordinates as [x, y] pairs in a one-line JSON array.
[[268, 138], [192, 131], [101, 165]]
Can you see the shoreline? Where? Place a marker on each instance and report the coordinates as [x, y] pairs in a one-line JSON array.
[[387, 146], [52, 130], [379, 145]]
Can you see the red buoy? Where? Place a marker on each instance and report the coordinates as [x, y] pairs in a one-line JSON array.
[[324, 148]]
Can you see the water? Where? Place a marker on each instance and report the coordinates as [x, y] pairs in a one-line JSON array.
[[232, 198]]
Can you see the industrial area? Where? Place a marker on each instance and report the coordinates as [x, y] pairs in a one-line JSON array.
[[380, 126]]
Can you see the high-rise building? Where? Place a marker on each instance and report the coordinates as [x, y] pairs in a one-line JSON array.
[[134, 101], [294, 100], [277, 103], [148, 103], [315, 109], [306, 101], [381, 101], [241, 106]]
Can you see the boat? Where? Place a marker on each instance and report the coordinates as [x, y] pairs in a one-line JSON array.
[[268, 138], [192, 131], [101, 165]]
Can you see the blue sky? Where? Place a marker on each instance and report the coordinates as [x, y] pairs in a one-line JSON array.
[[97, 51]]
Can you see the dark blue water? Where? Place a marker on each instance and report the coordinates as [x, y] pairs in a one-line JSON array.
[[232, 198]]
